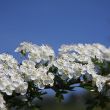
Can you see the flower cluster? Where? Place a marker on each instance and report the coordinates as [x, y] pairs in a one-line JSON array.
[[95, 50], [10, 78], [34, 69], [81, 58], [88, 63], [40, 76], [73, 62], [68, 70], [36, 53]]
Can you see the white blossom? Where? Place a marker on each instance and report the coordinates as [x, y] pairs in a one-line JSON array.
[[68, 69], [73, 61], [101, 82], [88, 50], [2, 103], [40, 75], [86, 61], [10, 78], [37, 53]]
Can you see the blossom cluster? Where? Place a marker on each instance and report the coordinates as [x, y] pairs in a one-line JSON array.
[[36, 53], [34, 68], [40, 76], [89, 63], [10, 78], [79, 60], [88, 50]]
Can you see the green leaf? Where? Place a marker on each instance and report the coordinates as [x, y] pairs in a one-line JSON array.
[[23, 52]]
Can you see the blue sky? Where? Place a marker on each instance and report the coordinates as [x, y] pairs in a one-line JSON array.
[[53, 22]]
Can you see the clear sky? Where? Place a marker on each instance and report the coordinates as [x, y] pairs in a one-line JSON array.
[[53, 22]]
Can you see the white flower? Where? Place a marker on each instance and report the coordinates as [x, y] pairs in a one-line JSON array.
[[10, 77], [28, 70], [100, 82], [2, 103], [22, 88], [89, 50], [78, 59], [40, 75], [72, 62], [68, 69], [44, 78], [37, 53]]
